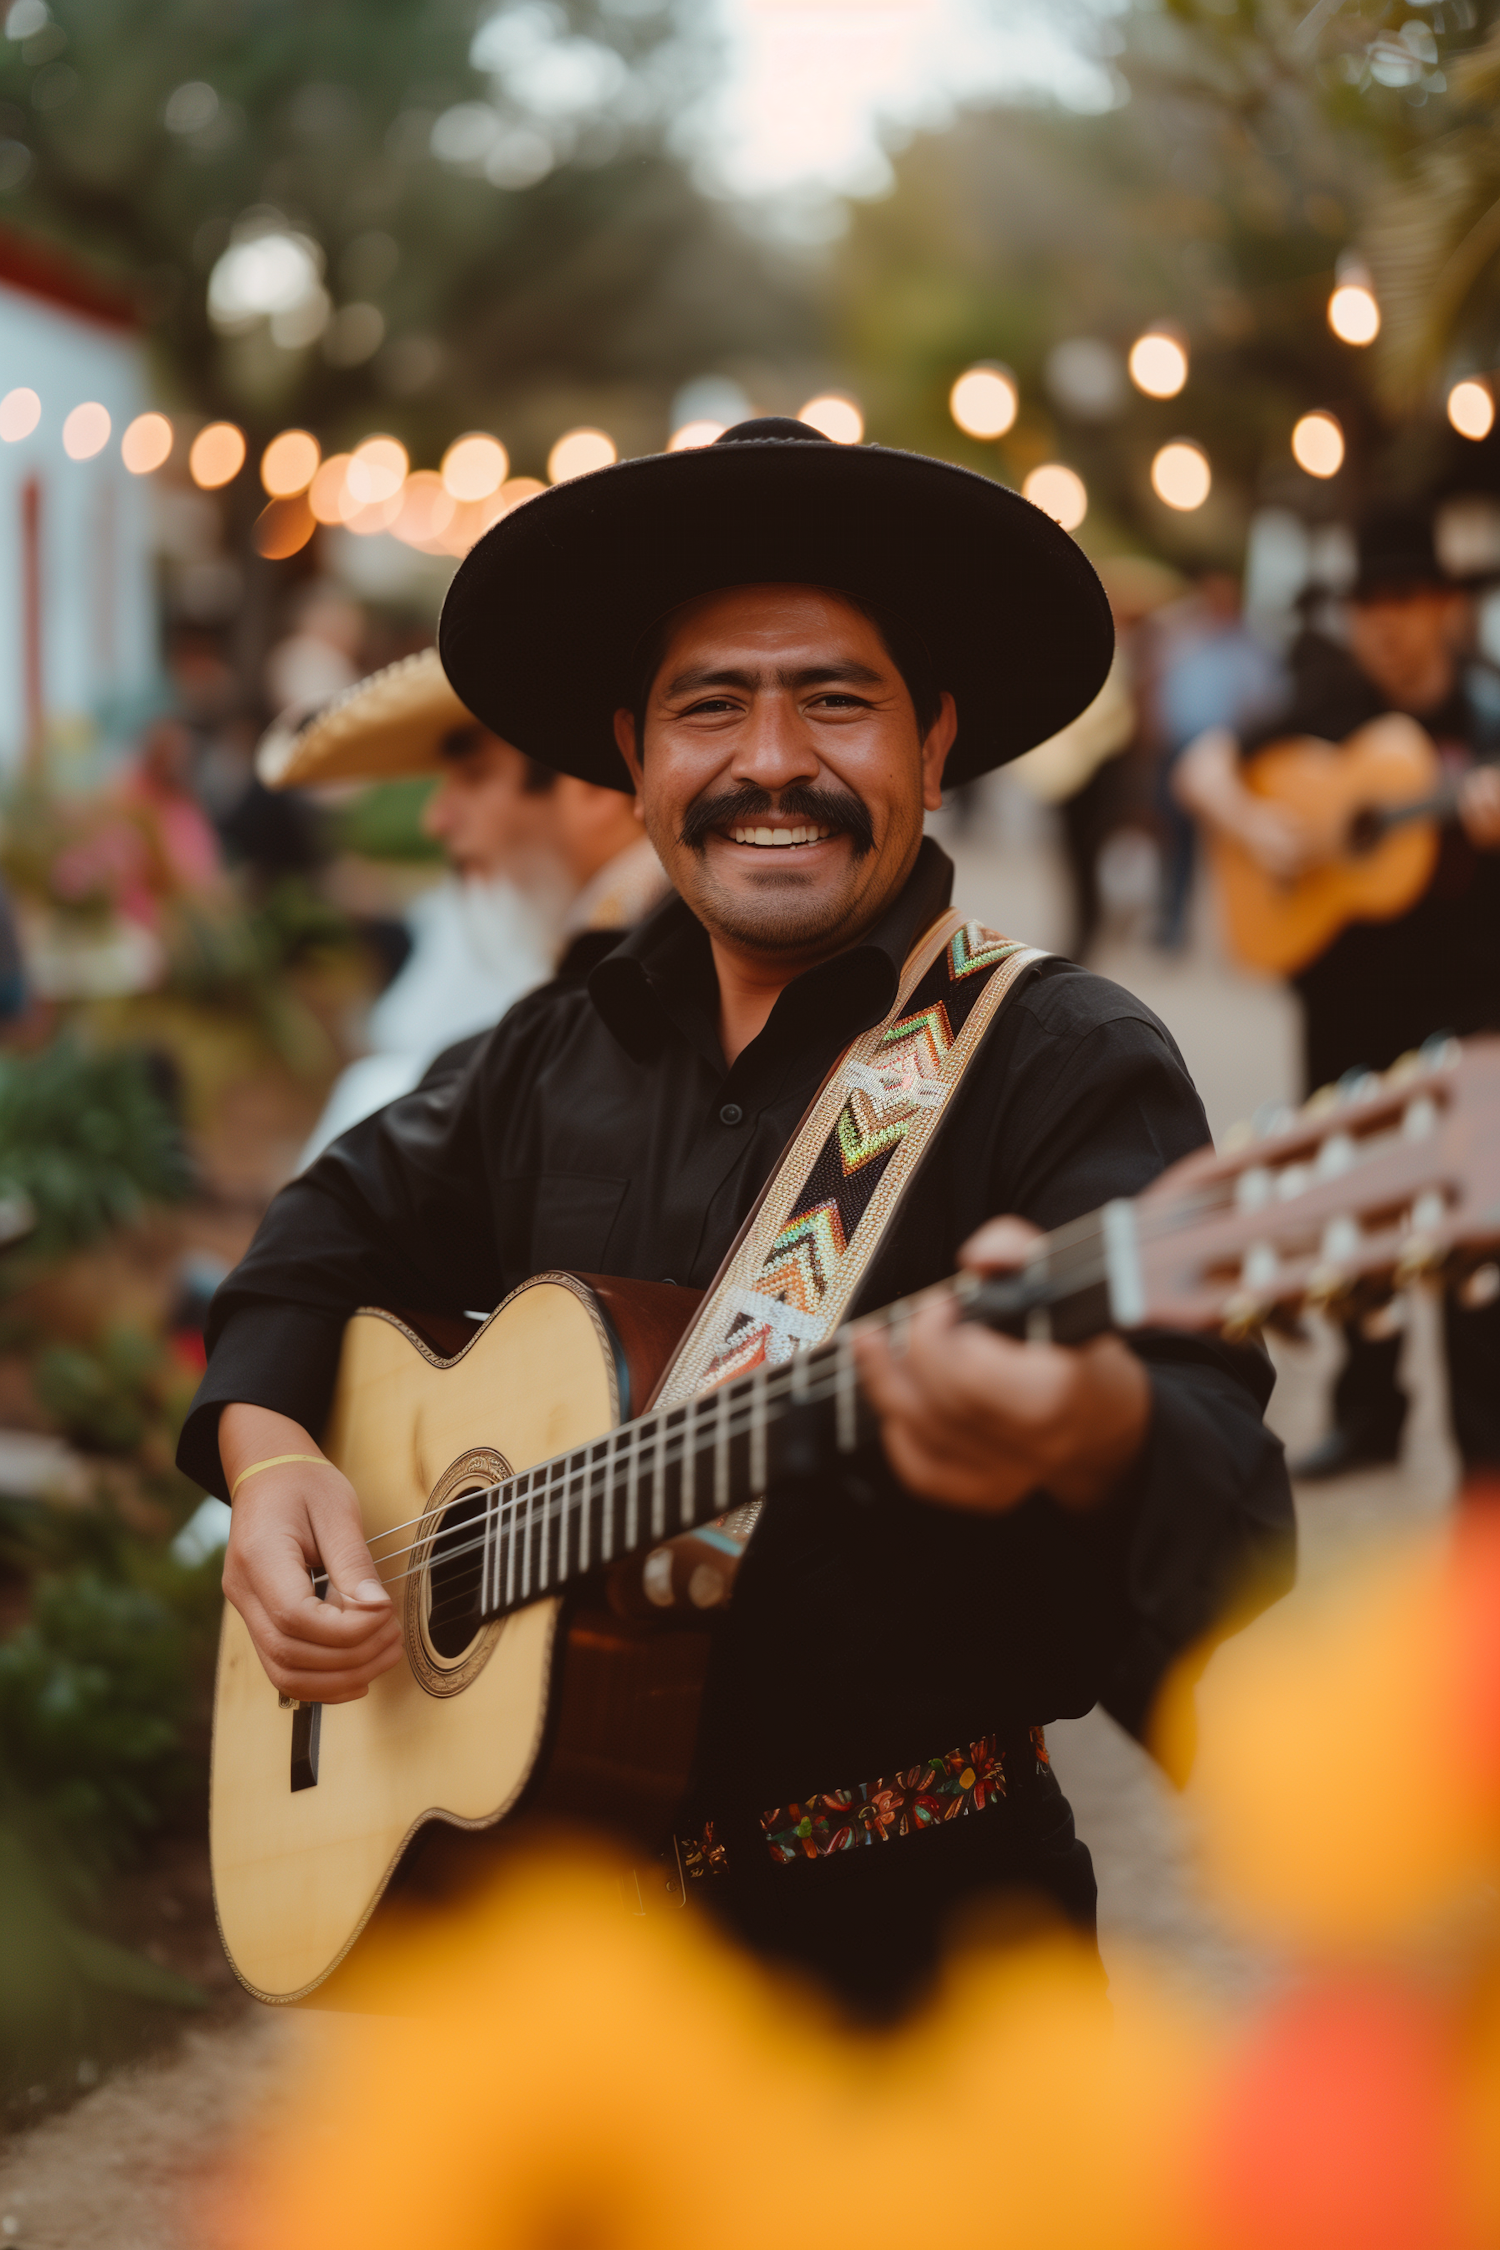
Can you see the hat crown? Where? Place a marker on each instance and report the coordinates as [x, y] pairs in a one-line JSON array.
[[779, 428]]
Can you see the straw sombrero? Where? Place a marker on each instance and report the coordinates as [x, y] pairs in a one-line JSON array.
[[395, 722]]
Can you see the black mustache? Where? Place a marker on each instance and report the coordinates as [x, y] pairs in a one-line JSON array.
[[742, 808]]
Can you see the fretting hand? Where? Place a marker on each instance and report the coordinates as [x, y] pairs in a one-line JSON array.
[[977, 1420]]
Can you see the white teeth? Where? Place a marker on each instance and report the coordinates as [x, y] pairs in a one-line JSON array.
[[778, 838]]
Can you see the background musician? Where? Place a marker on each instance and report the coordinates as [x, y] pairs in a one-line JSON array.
[[1046, 1526], [1382, 987]]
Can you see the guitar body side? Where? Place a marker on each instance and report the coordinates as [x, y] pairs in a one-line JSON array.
[[1280, 926], [298, 1872]]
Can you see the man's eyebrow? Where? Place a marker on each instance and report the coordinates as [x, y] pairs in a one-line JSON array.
[[809, 675]]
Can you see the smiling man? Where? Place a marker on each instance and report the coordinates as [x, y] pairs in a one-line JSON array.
[[783, 647]]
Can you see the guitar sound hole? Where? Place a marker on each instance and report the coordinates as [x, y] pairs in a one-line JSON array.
[[453, 1577]]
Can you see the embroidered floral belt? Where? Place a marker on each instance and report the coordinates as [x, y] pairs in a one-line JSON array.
[[948, 1787]]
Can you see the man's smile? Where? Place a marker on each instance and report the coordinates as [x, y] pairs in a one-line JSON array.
[[778, 836]]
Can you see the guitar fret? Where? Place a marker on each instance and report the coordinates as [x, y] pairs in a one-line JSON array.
[[687, 1482], [757, 1432], [632, 1487], [720, 1454], [659, 1480]]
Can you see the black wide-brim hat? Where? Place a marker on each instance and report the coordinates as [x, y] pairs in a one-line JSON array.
[[541, 631]]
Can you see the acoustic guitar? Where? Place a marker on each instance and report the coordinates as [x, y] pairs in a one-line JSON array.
[[1377, 800], [502, 1482]]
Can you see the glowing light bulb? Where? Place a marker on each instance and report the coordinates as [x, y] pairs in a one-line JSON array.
[[377, 471], [1318, 445], [289, 463], [1353, 314], [1158, 364], [984, 402], [20, 412], [86, 431], [578, 453], [836, 416], [217, 456], [1181, 476], [326, 492], [474, 466], [1059, 492], [146, 444], [1471, 409], [695, 434]]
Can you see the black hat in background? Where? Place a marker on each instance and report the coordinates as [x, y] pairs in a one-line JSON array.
[[1397, 552], [542, 630]]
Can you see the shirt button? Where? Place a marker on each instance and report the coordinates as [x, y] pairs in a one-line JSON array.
[[731, 1114]]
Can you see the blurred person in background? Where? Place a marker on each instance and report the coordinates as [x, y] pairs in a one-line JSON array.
[[1087, 771], [1096, 1507], [182, 850], [1381, 988], [545, 874], [1212, 671]]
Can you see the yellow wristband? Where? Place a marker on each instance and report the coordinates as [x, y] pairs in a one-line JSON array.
[[275, 1462]]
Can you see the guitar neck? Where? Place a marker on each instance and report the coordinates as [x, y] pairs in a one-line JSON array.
[[670, 1471]]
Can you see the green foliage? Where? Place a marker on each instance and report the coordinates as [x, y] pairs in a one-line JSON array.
[[385, 822], [236, 960], [101, 1698], [109, 1399], [89, 1139]]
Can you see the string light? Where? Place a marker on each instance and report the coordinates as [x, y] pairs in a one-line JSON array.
[[217, 455], [1353, 314], [427, 508], [289, 464], [694, 434], [1318, 445], [1059, 492], [86, 431], [326, 491], [474, 466], [1471, 408], [836, 416], [147, 444], [284, 527], [377, 471], [578, 452], [1181, 476], [20, 412], [1158, 363], [984, 402]]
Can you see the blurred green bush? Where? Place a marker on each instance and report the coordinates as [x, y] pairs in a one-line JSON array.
[[89, 1139], [103, 1700]]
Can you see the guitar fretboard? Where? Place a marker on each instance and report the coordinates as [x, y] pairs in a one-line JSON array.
[[670, 1471]]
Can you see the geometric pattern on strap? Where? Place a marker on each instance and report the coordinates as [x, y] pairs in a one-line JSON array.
[[808, 1243]]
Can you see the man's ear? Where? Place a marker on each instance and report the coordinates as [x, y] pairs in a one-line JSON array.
[[934, 752], [625, 743]]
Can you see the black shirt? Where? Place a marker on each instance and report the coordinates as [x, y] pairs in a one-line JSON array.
[[1381, 988], [597, 1127]]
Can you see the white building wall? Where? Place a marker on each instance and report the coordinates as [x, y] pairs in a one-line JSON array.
[[100, 660]]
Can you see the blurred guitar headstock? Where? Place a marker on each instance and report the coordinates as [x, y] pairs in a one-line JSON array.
[[1337, 1204]]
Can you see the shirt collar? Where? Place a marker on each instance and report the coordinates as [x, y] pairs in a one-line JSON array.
[[663, 974]]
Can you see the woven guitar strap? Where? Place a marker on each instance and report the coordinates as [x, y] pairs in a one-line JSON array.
[[807, 1245]]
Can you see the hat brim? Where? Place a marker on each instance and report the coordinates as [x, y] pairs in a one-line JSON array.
[[1015, 621], [391, 724]]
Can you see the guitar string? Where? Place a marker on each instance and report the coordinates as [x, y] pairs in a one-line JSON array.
[[544, 1501], [885, 1317], [1063, 1259]]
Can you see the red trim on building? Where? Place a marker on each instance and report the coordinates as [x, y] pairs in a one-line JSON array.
[[42, 270]]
